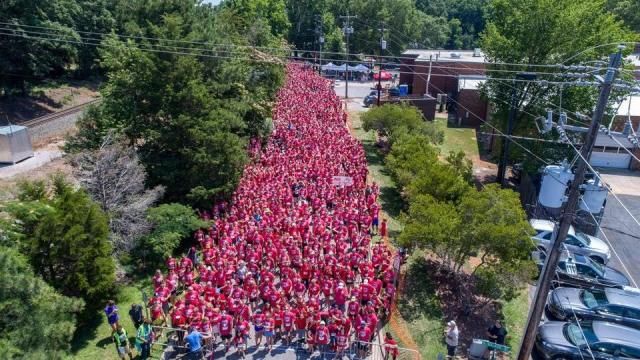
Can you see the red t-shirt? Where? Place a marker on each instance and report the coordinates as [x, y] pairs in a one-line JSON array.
[[226, 324]]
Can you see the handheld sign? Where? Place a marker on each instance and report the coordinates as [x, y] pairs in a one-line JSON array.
[[342, 181]]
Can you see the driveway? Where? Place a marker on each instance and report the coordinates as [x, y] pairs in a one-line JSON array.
[[618, 227]]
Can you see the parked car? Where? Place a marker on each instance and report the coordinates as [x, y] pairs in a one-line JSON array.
[[621, 306], [595, 340], [371, 99], [576, 242], [580, 271]]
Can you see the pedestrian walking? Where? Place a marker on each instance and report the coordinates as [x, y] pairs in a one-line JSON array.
[[111, 310], [390, 347], [121, 339], [383, 228], [136, 315], [144, 339], [194, 343]]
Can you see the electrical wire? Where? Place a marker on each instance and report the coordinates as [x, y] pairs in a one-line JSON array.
[[88, 42], [260, 47], [635, 284]]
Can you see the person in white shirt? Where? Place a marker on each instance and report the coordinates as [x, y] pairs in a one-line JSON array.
[[451, 338]]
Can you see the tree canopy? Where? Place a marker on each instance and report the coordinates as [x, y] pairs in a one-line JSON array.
[[64, 234], [36, 322]]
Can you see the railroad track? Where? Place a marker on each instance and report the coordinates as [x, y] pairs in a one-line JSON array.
[[50, 117]]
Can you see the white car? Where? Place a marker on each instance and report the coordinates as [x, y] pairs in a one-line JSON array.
[[578, 243]]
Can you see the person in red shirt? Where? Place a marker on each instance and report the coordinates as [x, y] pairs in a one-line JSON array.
[[301, 322], [322, 337], [288, 319], [179, 321], [390, 347], [269, 332], [363, 334], [226, 327], [241, 338], [383, 228], [258, 326]]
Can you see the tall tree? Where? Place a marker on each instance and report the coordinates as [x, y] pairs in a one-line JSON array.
[[29, 54], [114, 178], [35, 321], [65, 237], [545, 32]]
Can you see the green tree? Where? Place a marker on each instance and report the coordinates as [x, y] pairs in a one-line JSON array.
[[391, 121], [172, 223], [545, 32], [415, 166], [65, 237], [28, 57], [189, 117], [628, 11], [35, 321], [489, 223]]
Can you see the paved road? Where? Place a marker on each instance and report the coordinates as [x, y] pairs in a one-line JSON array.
[[618, 226]]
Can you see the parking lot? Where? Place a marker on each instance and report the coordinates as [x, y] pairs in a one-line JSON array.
[[619, 228]]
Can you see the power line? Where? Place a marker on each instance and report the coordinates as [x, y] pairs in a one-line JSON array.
[[89, 42], [257, 47]]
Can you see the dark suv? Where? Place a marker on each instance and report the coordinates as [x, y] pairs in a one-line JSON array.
[[621, 306], [587, 340]]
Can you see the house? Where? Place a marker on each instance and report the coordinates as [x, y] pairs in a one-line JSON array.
[[614, 153], [471, 104]]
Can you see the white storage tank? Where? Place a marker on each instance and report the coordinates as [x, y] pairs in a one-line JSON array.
[[15, 144], [593, 197], [555, 181]]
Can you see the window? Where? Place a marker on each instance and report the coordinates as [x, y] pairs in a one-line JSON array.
[[628, 351], [611, 149], [606, 348], [632, 314], [613, 310], [586, 270], [547, 236], [572, 241], [592, 299]]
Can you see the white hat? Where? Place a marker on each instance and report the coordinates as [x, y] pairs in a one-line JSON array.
[[451, 323]]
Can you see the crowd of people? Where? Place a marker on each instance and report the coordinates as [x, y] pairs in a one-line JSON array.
[[290, 258]]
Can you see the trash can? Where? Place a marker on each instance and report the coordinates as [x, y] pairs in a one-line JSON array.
[[404, 89]]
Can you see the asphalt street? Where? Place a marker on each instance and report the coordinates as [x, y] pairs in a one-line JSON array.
[[619, 228]]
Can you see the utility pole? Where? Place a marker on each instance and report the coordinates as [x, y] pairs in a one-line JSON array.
[[429, 75], [320, 34], [553, 256], [348, 30], [383, 46], [513, 112]]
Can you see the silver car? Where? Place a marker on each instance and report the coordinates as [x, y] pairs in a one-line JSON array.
[[576, 242], [595, 340], [621, 306]]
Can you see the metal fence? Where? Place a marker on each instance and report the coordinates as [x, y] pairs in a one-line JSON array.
[[168, 339]]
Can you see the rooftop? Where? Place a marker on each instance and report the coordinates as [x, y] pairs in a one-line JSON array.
[[470, 82], [8, 130], [441, 55]]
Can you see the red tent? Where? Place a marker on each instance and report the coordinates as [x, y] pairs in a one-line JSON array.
[[384, 75]]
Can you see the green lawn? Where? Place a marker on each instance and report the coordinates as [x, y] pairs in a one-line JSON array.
[[93, 341], [515, 314], [458, 139], [419, 305], [389, 197]]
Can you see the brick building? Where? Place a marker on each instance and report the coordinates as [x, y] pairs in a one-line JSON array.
[[456, 73]]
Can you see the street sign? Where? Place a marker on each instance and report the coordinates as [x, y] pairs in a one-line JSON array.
[[342, 181]]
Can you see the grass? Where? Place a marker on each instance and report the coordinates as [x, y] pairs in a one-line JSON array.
[[421, 309], [458, 139], [419, 306], [390, 199], [515, 314], [93, 341]]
